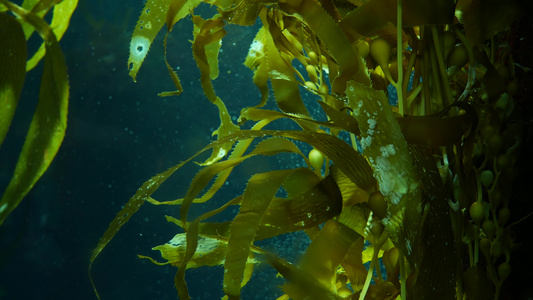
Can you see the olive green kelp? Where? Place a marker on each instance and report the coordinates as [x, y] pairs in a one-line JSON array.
[[419, 182], [49, 122]]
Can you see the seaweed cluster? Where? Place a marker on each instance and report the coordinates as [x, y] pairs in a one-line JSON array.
[[428, 188]]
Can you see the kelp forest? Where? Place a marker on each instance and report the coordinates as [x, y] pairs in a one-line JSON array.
[[426, 183], [407, 123]]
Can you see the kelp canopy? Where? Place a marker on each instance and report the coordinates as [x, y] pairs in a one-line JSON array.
[[420, 183]]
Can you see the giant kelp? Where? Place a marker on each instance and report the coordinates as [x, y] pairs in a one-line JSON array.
[[424, 189], [49, 121]]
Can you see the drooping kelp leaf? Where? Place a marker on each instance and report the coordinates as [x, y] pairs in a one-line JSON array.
[[61, 18], [12, 69], [377, 14], [259, 192], [327, 251], [176, 11], [49, 121], [207, 32], [339, 121], [334, 39], [281, 72], [212, 243], [385, 147]]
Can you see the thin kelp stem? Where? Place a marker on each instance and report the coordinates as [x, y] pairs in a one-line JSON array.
[[442, 67], [403, 276], [399, 57]]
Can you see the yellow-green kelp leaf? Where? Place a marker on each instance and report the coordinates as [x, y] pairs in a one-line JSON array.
[[150, 22], [49, 122], [353, 164], [303, 280], [38, 7], [339, 121], [270, 146], [260, 191], [208, 33], [61, 18], [211, 251], [315, 202], [131, 207], [12, 69], [327, 251], [281, 73]]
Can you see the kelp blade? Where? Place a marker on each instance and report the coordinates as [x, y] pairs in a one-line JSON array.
[[327, 251], [49, 122], [12, 69], [150, 22], [260, 191]]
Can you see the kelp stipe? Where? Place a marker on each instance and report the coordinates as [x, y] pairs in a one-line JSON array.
[[424, 193]]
